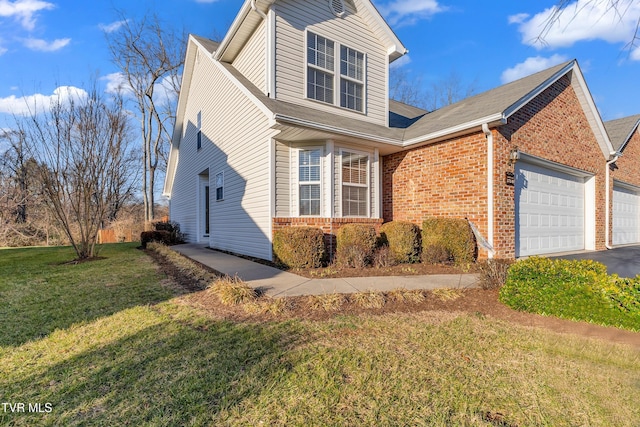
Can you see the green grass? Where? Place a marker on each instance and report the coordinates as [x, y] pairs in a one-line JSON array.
[[147, 359]]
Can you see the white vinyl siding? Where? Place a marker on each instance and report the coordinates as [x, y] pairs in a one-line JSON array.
[[283, 181], [252, 60], [626, 215], [237, 143], [292, 23]]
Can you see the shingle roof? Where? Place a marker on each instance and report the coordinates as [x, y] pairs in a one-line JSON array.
[[209, 45], [492, 102], [620, 130]]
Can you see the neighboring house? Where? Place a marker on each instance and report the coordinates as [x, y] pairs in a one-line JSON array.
[[625, 202], [287, 121]]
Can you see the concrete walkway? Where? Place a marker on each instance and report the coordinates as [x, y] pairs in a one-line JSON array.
[[275, 282]]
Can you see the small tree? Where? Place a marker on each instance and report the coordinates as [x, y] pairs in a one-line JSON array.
[[79, 144]]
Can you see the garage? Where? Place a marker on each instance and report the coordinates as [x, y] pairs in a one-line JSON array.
[[551, 209], [626, 214]]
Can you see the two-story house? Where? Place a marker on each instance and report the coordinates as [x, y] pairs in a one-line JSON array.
[[287, 121]]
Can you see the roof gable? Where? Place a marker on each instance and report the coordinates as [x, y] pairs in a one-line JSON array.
[[621, 130], [252, 12]]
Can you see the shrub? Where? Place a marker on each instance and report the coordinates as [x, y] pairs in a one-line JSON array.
[[436, 254], [355, 245], [382, 257], [299, 247], [448, 235], [163, 237], [173, 228], [369, 299], [573, 289], [493, 273], [403, 239]]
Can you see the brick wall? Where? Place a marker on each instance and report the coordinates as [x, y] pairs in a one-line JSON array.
[[449, 178], [627, 170]]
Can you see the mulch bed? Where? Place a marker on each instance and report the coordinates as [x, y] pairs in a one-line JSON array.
[[474, 301]]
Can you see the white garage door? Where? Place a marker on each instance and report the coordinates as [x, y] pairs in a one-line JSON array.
[[550, 211], [626, 216]]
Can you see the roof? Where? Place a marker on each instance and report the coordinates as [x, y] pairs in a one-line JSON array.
[[621, 130]]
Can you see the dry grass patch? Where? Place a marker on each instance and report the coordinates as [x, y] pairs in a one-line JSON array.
[[447, 294], [403, 295], [233, 291], [187, 267], [369, 299], [327, 302], [267, 305]]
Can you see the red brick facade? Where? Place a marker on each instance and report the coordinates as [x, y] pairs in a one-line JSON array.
[[450, 178], [626, 169]]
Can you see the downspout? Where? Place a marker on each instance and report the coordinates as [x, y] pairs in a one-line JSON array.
[[607, 215], [490, 195]]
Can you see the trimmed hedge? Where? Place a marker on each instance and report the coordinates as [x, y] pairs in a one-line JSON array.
[[356, 244], [299, 247], [403, 239], [573, 289], [448, 239], [162, 236]]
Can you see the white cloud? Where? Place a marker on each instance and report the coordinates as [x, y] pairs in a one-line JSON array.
[[581, 20], [400, 62], [163, 90], [519, 18], [30, 104], [3, 50], [530, 66], [113, 27], [45, 46], [116, 82], [408, 12], [635, 54], [24, 11]]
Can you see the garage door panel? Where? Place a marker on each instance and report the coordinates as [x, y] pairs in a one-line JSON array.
[[550, 211], [626, 216]]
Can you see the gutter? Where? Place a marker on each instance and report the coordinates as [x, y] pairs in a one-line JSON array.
[[490, 196], [607, 215]]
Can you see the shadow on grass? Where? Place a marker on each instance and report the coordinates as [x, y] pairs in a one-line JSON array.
[[177, 372], [40, 293]]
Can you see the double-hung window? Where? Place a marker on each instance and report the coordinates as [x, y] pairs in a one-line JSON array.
[[309, 170], [320, 68], [326, 72], [351, 78], [355, 184]]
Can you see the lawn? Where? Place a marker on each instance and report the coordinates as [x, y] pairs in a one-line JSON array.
[[111, 342]]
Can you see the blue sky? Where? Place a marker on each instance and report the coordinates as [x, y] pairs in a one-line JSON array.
[[47, 44]]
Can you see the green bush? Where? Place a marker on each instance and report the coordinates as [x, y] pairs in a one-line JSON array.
[[162, 236], [403, 239], [448, 236], [573, 289], [299, 247], [173, 228], [356, 244]]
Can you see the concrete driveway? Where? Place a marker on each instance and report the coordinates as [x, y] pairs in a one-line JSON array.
[[624, 261]]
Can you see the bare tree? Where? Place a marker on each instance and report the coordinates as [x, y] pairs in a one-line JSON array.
[[446, 91], [79, 144], [150, 57], [619, 8]]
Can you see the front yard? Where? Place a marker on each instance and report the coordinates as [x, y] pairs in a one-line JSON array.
[[116, 342]]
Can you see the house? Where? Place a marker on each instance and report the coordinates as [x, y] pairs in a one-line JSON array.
[[625, 172], [287, 121]]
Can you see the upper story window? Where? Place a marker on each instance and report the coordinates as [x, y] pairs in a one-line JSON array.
[[324, 73]]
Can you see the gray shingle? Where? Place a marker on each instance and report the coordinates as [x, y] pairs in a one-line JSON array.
[[620, 130]]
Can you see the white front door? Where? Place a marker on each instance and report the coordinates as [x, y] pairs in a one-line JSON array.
[[626, 215], [550, 210]]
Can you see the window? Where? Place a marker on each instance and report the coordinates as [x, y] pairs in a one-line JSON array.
[[199, 134], [320, 59], [351, 78], [309, 171], [220, 186], [322, 69], [355, 185]]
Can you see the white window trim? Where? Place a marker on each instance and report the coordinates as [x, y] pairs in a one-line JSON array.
[[295, 181], [335, 73], [216, 187], [368, 185]]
